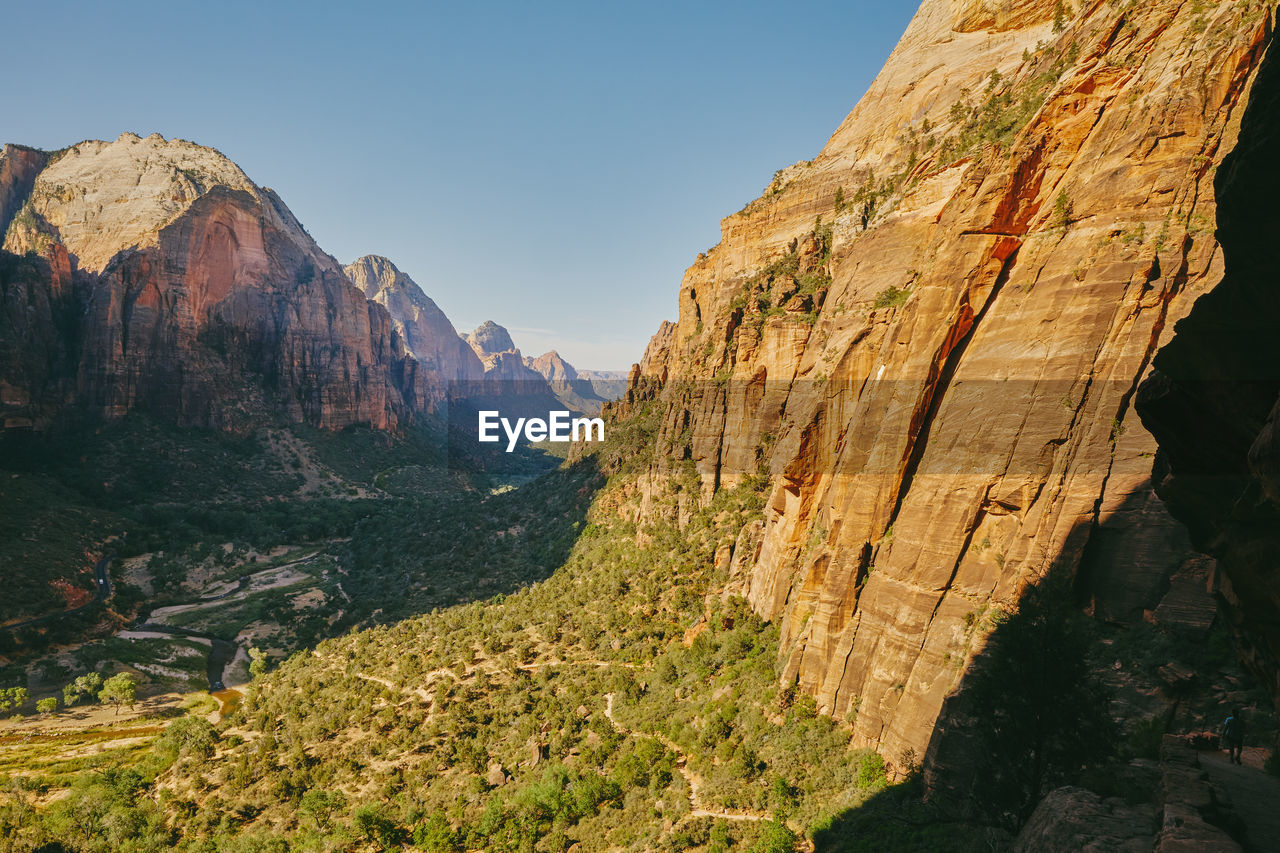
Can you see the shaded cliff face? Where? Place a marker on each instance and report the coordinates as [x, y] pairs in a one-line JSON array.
[[930, 336], [19, 167], [1213, 401], [426, 331], [200, 296]]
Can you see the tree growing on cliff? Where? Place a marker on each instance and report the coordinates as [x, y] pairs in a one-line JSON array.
[[257, 662], [1041, 712]]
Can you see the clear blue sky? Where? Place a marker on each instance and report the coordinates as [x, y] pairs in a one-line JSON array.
[[552, 166]]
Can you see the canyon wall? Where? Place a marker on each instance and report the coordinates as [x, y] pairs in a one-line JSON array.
[[929, 337], [427, 333], [152, 273]]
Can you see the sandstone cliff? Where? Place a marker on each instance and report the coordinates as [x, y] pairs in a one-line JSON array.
[[930, 337], [510, 384], [504, 366], [198, 295], [490, 339], [426, 331]]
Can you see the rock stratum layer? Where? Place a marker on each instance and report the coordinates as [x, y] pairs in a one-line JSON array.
[[153, 274], [930, 337]]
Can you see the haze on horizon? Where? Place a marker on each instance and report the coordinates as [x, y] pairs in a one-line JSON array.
[[554, 168]]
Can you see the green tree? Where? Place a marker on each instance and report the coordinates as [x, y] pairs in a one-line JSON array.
[[1062, 210], [1059, 17], [371, 821], [320, 806], [257, 662], [119, 689], [13, 698], [437, 836], [774, 838], [190, 736], [85, 685], [47, 706]]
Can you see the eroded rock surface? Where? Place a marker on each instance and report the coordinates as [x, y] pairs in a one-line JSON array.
[[427, 333], [158, 276], [930, 336]]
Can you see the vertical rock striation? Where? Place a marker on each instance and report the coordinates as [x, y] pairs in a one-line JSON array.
[[158, 276], [427, 333], [931, 334]]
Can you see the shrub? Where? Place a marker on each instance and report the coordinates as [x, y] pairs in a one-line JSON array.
[[892, 297]]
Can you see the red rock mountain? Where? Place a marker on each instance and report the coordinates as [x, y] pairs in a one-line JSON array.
[[930, 337], [152, 273]]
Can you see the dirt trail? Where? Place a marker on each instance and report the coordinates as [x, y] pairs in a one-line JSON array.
[[682, 765], [696, 807], [1255, 798], [421, 692]]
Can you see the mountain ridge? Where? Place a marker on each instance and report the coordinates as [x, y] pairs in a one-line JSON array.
[[201, 296]]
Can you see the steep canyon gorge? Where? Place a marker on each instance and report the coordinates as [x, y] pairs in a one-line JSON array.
[[1012, 330]]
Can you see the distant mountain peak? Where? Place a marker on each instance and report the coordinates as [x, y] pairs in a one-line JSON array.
[[427, 333], [375, 273], [490, 339], [552, 367]]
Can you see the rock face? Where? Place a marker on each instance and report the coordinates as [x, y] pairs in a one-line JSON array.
[[576, 392], [427, 333], [1168, 807], [931, 335], [1074, 819], [18, 169], [490, 339], [1213, 401], [504, 366], [509, 385], [503, 363], [196, 294]]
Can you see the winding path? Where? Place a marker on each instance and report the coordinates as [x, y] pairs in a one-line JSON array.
[[682, 765], [696, 807]]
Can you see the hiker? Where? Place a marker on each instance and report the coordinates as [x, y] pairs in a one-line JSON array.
[[1233, 736]]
